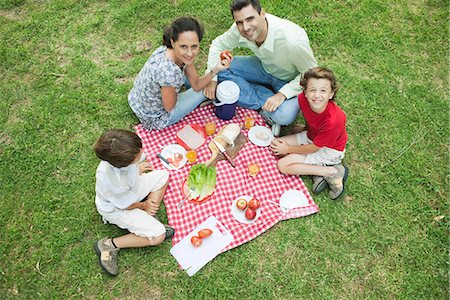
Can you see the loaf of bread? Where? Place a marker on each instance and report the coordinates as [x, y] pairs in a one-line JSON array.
[[190, 137], [230, 133]]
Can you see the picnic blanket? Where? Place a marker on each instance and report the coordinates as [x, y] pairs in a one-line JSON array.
[[269, 184]]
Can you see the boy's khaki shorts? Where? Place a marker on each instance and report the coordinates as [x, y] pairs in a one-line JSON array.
[[323, 157]]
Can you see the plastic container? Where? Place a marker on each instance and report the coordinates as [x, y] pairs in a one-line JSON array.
[[227, 95]]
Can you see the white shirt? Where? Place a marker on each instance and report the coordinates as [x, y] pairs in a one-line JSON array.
[[116, 187], [285, 53]]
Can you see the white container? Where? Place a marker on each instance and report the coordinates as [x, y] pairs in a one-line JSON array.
[[227, 93]]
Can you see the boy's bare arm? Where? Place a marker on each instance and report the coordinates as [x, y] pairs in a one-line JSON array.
[[281, 147]]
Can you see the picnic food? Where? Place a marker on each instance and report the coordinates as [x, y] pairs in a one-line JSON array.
[[205, 233], [190, 137], [241, 204], [250, 214], [176, 159], [254, 204], [196, 241], [230, 133], [225, 54], [201, 181], [262, 135]]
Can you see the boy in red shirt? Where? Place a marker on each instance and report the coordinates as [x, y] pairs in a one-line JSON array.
[[320, 149]]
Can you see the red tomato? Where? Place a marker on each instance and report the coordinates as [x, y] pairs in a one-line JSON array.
[[241, 203], [196, 241], [250, 214], [205, 233], [254, 204], [178, 156], [225, 54]]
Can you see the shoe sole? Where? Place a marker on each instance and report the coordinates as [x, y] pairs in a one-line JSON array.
[[320, 187], [343, 184], [99, 254]]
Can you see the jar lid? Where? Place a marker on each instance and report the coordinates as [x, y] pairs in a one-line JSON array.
[[227, 93]]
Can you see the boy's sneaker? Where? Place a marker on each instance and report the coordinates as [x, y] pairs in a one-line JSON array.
[[276, 129], [319, 184], [170, 231], [107, 256], [337, 182]]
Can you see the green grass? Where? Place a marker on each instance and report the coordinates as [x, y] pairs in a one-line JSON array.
[[66, 68]]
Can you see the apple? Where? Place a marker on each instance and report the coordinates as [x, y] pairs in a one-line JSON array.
[[254, 204], [250, 214], [225, 54], [241, 203]]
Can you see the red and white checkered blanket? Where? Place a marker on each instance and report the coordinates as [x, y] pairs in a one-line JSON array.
[[231, 182]]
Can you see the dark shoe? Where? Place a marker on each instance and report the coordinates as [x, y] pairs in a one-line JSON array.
[[107, 256], [169, 232], [319, 184], [276, 128], [337, 182]]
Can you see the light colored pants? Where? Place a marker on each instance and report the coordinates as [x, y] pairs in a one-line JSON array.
[[323, 157], [186, 103], [254, 82]]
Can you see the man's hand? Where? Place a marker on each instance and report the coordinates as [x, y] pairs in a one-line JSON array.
[[210, 90], [272, 103], [150, 207], [145, 166], [279, 147]]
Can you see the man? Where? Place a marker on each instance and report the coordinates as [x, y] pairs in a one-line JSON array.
[[270, 79]]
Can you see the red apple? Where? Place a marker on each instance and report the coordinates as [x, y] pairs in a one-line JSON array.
[[254, 204], [250, 214], [241, 203]]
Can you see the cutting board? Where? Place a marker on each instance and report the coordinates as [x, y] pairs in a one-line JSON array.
[[193, 258], [217, 156]]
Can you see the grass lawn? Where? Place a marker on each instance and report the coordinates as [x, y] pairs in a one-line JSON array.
[[66, 68]]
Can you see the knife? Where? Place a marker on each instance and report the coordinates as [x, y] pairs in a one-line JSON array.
[[165, 160], [224, 152]]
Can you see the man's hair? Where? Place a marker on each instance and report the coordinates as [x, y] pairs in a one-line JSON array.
[[240, 4], [118, 147], [320, 73], [179, 26]]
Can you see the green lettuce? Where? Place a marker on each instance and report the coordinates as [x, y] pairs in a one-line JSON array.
[[201, 181]]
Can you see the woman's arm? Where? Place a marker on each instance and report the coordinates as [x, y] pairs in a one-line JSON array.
[[198, 83], [169, 97]]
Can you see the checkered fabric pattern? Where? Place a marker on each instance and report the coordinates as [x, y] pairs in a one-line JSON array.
[[269, 184]]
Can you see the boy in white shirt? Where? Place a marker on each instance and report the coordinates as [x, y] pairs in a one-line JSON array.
[[121, 187]]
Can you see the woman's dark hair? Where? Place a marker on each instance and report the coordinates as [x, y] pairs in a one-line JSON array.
[[179, 26], [320, 73], [118, 147], [240, 4]]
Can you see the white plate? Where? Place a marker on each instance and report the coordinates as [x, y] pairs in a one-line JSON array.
[[292, 199], [239, 215], [260, 136], [169, 151]]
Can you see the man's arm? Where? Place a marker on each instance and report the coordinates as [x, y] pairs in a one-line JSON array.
[[227, 41]]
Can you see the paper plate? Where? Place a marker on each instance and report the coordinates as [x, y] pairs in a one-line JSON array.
[[169, 151], [292, 199], [260, 136], [239, 215]]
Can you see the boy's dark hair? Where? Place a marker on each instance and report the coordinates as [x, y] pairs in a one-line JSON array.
[[118, 147], [179, 26], [320, 73], [240, 4]]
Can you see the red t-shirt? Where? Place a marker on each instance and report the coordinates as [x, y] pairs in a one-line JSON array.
[[326, 129]]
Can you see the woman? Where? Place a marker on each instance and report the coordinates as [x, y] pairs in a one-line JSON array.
[[155, 98]]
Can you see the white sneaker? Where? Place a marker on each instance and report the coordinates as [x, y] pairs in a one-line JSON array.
[[276, 129]]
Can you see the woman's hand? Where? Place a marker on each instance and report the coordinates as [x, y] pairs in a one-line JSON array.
[[279, 147], [222, 65], [144, 167]]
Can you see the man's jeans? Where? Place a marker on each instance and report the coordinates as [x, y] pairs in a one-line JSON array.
[[257, 86]]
